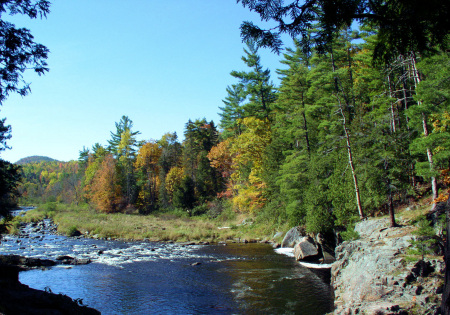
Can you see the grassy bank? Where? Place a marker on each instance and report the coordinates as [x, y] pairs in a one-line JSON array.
[[171, 226], [178, 226]]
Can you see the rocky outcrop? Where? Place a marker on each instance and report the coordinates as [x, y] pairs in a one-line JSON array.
[[371, 275]]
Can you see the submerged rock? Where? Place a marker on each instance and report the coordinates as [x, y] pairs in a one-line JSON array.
[[68, 260]]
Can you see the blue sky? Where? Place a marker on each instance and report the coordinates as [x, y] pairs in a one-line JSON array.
[[158, 62]]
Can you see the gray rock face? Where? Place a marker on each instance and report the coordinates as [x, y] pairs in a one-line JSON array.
[[371, 277], [306, 249], [293, 236]]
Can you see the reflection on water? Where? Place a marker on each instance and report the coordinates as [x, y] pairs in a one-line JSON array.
[[157, 278]]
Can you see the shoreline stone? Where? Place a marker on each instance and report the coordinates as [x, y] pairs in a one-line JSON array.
[[370, 276]]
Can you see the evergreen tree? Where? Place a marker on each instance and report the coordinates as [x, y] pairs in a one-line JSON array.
[[431, 110], [10, 176], [403, 26], [184, 194], [170, 158], [255, 87], [232, 112], [200, 137], [123, 146], [125, 124]]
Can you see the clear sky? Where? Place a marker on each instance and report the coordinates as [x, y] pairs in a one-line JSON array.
[[158, 62]]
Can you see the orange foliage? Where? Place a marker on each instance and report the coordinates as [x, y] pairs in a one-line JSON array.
[[105, 191], [445, 174], [220, 158]]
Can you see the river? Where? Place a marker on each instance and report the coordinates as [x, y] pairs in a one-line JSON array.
[[162, 278]]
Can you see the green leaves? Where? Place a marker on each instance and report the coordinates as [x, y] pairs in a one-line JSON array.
[[425, 238]]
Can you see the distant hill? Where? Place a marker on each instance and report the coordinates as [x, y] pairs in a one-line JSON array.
[[34, 159]]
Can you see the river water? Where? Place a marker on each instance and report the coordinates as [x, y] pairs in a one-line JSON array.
[[162, 278]]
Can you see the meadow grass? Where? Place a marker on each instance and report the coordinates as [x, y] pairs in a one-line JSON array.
[[165, 226]]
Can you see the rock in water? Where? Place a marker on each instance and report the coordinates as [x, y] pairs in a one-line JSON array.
[[293, 236], [306, 249]]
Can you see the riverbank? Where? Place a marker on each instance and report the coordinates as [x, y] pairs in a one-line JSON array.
[[376, 274], [160, 227]]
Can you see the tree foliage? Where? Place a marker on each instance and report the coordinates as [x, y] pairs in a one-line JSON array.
[[402, 25], [340, 138], [18, 51]]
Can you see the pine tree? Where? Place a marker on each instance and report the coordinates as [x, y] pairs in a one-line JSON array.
[[255, 87], [232, 112]]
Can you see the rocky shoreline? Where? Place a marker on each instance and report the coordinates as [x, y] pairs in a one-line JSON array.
[[17, 298], [372, 275]]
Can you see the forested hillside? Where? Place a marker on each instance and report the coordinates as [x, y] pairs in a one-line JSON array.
[[34, 159], [340, 138]]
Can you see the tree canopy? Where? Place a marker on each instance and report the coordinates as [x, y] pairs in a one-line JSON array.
[[402, 25], [18, 51]]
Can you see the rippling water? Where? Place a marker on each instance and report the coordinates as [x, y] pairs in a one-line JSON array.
[[160, 278]]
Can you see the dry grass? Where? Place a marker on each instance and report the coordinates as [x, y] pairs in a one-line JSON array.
[[159, 227]]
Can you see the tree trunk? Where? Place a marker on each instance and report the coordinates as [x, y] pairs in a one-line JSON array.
[[349, 147], [391, 208], [350, 161], [393, 125], [445, 305], [425, 129], [305, 126]]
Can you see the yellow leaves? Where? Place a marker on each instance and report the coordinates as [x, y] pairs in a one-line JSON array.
[[173, 179], [248, 152], [249, 147], [249, 199], [441, 122], [148, 157]]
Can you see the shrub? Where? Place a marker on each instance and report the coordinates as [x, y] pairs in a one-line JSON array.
[[73, 231], [425, 238]]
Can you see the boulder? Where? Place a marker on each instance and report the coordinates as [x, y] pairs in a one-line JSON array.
[[293, 236], [25, 263], [68, 260], [306, 249]]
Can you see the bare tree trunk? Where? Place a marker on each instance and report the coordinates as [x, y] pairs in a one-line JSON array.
[[350, 160], [425, 129], [349, 147], [305, 126], [393, 125]]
